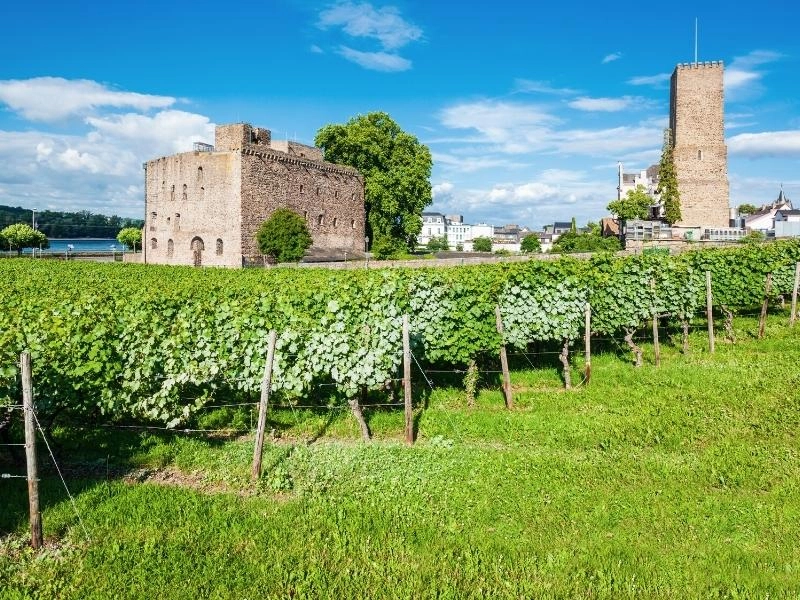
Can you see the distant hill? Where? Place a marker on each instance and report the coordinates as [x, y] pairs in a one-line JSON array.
[[56, 224]]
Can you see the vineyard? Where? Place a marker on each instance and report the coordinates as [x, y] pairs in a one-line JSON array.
[[156, 344]]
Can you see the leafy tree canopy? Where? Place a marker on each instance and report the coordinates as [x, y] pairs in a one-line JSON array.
[[396, 169], [572, 241], [130, 237], [531, 243], [22, 235], [747, 209], [635, 205], [284, 236], [482, 244], [437, 244]]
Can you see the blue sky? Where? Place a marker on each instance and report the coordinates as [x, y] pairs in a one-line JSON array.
[[527, 107]]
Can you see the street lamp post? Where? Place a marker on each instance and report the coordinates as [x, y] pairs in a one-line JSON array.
[[33, 220], [366, 248]]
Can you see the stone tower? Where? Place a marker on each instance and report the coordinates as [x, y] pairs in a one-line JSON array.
[[698, 136]]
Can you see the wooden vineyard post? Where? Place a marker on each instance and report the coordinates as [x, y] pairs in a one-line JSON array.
[[762, 320], [409, 409], [266, 386], [793, 316], [504, 360], [709, 313], [30, 451], [587, 340], [656, 345]]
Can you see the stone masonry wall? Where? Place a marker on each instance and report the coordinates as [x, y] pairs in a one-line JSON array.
[[699, 150], [192, 204], [330, 197]]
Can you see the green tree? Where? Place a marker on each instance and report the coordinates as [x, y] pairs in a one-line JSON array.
[[635, 205], [437, 244], [22, 235], [482, 244], [574, 226], [396, 168], [572, 241], [130, 237], [747, 209], [3, 242], [284, 236], [668, 184], [531, 243]]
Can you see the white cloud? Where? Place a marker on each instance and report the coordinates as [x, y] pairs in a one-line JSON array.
[[766, 144], [651, 80], [603, 104], [316, 49], [443, 189], [376, 61], [363, 20], [97, 167], [611, 57], [55, 98], [743, 76], [540, 87]]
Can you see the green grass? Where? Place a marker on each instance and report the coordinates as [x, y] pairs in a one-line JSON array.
[[681, 481]]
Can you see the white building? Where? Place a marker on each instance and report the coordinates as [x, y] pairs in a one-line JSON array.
[[764, 219], [787, 223]]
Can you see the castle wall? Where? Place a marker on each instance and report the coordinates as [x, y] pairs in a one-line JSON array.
[[699, 151], [329, 197], [192, 209]]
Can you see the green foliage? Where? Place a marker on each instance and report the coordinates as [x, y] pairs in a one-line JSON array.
[[396, 169], [572, 241], [22, 235], [531, 244], [754, 237], [635, 205], [437, 244], [284, 236], [159, 343], [57, 224], [668, 186], [482, 244], [131, 237], [747, 209]]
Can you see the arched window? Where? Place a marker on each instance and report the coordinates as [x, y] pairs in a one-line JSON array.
[[170, 248], [699, 155], [177, 220], [353, 224], [153, 216], [202, 192], [184, 192], [301, 188], [172, 192], [200, 175], [305, 215], [321, 220], [153, 243], [334, 221], [197, 244], [219, 247]]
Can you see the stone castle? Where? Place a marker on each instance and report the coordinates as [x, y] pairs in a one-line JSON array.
[[204, 207], [700, 155]]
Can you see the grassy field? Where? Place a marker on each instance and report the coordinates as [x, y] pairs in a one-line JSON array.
[[680, 481]]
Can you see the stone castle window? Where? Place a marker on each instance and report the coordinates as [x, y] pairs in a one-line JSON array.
[[170, 248], [301, 188], [153, 243], [202, 192], [177, 220], [200, 175], [172, 193], [334, 221], [305, 215], [184, 192], [219, 247], [153, 216], [352, 223], [321, 220], [699, 155]]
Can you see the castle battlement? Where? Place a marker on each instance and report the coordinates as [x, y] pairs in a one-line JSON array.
[[708, 64]]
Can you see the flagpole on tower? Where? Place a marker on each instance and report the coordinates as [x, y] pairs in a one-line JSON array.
[[695, 40]]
